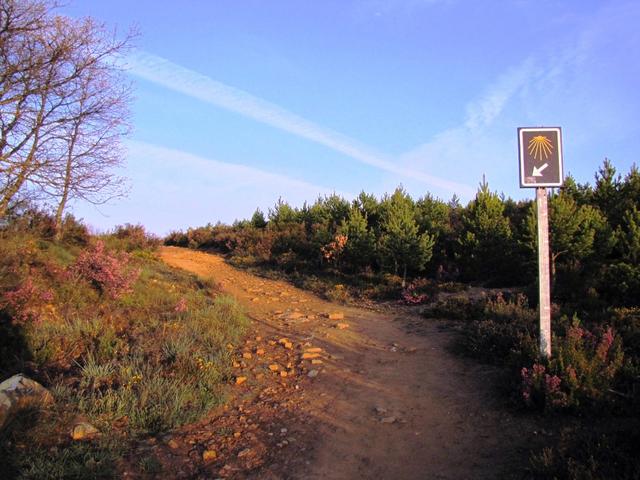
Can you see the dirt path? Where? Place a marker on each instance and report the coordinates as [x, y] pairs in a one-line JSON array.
[[385, 404]]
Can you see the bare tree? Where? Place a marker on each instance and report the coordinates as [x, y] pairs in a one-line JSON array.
[[63, 106], [98, 119]]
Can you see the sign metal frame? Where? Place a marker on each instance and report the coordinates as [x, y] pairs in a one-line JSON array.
[[524, 183]]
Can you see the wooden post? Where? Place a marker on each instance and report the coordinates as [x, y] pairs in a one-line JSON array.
[[543, 272]]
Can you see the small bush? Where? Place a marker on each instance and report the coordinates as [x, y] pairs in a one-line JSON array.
[[135, 237], [455, 308], [580, 374], [110, 273], [177, 239], [26, 302], [602, 451], [74, 232], [338, 293], [417, 292]]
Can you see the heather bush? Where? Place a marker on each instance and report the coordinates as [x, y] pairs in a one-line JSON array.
[[626, 322], [27, 302], [581, 372], [600, 450], [339, 293], [177, 238], [109, 272], [509, 308], [500, 342], [455, 308], [134, 237], [417, 292], [74, 232]]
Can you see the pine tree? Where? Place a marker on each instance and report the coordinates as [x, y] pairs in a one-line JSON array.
[[434, 217], [282, 214], [360, 248], [606, 195], [401, 243], [485, 242], [628, 236], [258, 220]]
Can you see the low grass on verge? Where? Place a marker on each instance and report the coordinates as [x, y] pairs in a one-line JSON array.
[[140, 362]]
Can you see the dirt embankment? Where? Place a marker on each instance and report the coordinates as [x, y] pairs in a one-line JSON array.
[[353, 397]]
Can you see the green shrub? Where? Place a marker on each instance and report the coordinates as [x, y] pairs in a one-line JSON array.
[[455, 308], [580, 373], [591, 453], [130, 237]]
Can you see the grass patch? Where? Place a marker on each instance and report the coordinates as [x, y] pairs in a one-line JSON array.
[[133, 362]]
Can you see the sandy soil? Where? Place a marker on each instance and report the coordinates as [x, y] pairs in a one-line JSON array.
[[383, 404]]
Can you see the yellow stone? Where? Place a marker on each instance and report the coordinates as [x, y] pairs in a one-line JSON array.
[[240, 380], [313, 350], [336, 316], [316, 361], [342, 326], [209, 455], [259, 351], [309, 356], [83, 431], [246, 355], [274, 367], [283, 373]]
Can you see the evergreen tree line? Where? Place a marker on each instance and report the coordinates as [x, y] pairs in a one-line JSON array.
[[492, 241]]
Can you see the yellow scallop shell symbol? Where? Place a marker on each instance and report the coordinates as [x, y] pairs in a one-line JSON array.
[[540, 147]]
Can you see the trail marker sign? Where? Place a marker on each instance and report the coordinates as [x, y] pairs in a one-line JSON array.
[[540, 152]]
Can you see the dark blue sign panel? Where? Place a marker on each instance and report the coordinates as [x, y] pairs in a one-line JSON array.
[[540, 152]]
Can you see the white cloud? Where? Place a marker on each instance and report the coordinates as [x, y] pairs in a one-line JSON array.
[[483, 112], [173, 189], [178, 78], [228, 176], [474, 147]]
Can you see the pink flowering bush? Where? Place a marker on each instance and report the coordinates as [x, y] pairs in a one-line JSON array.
[[541, 389], [181, 306], [25, 302], [412, 294], [110, 273], [580, 373]]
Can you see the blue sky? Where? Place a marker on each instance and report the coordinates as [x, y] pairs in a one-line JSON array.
[[239, 102]]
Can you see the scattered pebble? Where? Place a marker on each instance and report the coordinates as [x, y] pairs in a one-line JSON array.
[[84, 431], [209, 455]]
